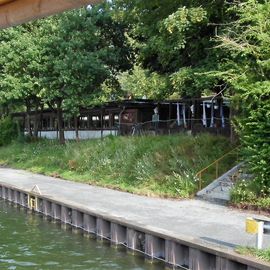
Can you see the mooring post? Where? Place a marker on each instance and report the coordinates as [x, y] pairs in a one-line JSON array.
[[259, 237]]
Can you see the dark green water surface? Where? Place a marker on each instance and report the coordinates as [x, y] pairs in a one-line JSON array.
[[29, 241]]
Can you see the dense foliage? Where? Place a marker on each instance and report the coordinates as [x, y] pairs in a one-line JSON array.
[[158, 49], [247, 70], [174, 39], [8, 131], [195, 47], [62, 62]]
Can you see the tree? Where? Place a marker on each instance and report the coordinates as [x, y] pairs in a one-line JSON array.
[[173, 38], [20, 68], [79, 58], [63, 62], [72, 69], [141, 82], [247, 70]]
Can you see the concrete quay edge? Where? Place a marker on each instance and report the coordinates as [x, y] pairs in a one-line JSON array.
[[181, 239]]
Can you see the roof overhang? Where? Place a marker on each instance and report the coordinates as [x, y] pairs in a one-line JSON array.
[[14, 12]]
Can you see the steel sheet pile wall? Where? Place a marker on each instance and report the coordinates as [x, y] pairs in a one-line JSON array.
[[155, 246]]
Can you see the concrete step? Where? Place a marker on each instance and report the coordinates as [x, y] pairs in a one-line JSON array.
[[219, 190]]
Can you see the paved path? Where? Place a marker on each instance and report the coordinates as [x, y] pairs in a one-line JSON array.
[[188, 219]]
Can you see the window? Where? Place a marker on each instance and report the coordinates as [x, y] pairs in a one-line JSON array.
[[106, 121], [96, 121], [83, 122]]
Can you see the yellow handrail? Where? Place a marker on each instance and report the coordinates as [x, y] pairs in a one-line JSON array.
[[216, 163]]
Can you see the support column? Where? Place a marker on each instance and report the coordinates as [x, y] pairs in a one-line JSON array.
[[4, 193], [66, 214], [103, 228], [135, 240], [89, 223], [23, 199], [56, 211], [39, 205], [77, 218], [10, 195], [47, 208], [176, 254], [118, 234], [16, 196], [154, 246], [225, 264], [199, 260]]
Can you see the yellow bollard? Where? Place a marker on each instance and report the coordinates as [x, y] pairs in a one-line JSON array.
[[256, 227], [252, 226]]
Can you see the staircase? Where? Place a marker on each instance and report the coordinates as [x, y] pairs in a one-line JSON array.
[[219, 190]]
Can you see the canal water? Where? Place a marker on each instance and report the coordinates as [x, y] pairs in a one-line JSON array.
[[31, 241]]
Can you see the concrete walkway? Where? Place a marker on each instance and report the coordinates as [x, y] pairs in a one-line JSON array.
[[200, 221]]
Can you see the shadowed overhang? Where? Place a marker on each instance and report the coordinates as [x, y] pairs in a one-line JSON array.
[[14, 12]]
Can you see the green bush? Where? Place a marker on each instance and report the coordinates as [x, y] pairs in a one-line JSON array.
[[8, 131], [241, 193], [254, 130]]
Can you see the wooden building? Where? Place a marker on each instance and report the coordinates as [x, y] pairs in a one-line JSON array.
[[135, 117]]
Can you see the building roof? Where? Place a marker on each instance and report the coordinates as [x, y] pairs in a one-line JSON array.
[[14, 12]]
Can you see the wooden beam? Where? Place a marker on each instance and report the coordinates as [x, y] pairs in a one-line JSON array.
[[19, 11], [3, 2]]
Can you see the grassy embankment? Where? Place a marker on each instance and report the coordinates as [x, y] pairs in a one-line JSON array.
[[157, 166], [263, 254]]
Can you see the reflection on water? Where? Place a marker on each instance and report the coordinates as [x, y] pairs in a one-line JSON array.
[[30, 241]]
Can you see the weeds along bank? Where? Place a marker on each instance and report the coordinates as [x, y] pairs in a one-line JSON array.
[[153, 165], [263, 254]]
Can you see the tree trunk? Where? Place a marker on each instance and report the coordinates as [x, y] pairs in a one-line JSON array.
[[102, 123], [233, 135], [36, 122], [41, 118], [76, 128], [60, 121], [28, 120]]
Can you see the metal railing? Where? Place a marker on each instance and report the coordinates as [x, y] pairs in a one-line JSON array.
[[216, 166], [141, 128]]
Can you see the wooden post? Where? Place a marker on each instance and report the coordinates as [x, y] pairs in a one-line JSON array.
[[102, 122], [88, 121], [217, 164], [170, 117], [60, 121], [76, 128]]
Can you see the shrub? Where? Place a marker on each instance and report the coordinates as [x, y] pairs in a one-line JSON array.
[[241, 193], [8, 130], [254, 130]]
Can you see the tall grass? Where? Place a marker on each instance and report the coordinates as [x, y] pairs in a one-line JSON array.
[[153, 165], [263, 254]]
